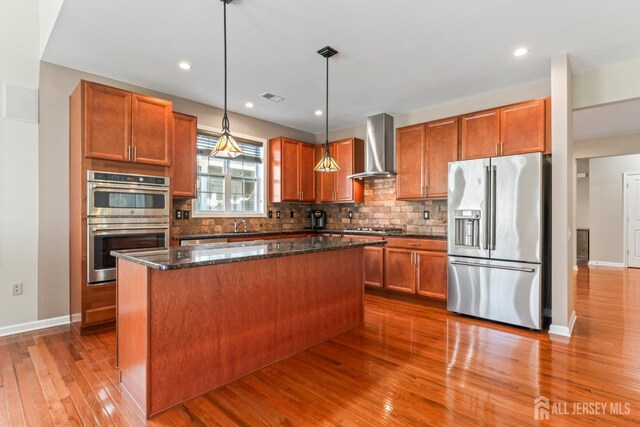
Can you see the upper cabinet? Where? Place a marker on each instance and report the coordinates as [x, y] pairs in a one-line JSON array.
[[522, 128], [336, 186], [291, 175], [123, 126], [410, 162], [151, 130], [106, 114], [514, 129], [183, 165], [423, 153], [442, 148]]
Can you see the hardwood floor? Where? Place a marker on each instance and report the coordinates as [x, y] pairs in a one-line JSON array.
[[409, 365]]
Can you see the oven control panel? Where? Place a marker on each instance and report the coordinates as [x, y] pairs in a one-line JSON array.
[[126, 178]]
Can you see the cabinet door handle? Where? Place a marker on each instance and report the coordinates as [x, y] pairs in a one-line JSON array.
[[497, 144], [302, 195], [501, 147], [135, 154], [128, 152]]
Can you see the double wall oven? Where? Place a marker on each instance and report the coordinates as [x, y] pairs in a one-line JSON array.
[[124, 211]]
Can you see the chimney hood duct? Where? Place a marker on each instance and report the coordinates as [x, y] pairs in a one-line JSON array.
[[379, 148]]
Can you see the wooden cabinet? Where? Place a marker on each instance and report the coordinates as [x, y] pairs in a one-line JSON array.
[[336, 186], [106, 119], [124, 126], [442, 148], [374, 266], [291, 175], [416, 266], [183, 165], [432, 274], [423, 154], [513, 129], [151, 130], [410, 162], [522, 128], [400, 270], [480, 134]]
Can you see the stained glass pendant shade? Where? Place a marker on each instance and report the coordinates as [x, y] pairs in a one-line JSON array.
[[327, 163], [226, 146]]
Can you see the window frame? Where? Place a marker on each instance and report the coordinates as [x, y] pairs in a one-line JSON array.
[[263, 186]]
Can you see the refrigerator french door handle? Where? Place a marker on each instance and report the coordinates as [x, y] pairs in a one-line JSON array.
[[492, 236], [487, 214], [499, 267]]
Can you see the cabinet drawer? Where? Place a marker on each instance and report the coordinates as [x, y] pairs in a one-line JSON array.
[[99, 315], [417, 244]]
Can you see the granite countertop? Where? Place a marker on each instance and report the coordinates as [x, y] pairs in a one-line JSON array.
[[271, 232], [222, 253]]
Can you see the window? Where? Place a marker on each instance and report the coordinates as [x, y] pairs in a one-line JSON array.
[[229, 187]]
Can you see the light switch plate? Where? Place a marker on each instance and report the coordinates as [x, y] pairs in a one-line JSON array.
[[186, 214], [425, 214]]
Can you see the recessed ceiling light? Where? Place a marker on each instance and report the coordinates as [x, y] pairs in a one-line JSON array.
[[318, 112], [184, 66], [249, 105], [521, 51]]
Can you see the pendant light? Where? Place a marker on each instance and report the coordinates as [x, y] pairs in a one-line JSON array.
[[327, 163], [226, 145]]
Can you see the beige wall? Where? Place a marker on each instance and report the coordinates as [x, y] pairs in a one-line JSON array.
[[56, 84], [19, 47], [462, 106], [602, 147], [604, 85], [606, 207], [582, 194]]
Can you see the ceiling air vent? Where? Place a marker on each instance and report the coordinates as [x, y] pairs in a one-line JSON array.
[[272, 97]]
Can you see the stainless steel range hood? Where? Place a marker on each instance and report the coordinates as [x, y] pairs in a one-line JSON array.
[[379, 148]]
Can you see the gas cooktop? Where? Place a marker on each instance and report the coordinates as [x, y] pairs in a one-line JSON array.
[[373, 230]]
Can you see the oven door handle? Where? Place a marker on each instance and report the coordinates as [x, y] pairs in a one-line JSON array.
[[136, 189], [107, 229]]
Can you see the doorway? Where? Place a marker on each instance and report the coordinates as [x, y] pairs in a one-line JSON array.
[[632, 220]]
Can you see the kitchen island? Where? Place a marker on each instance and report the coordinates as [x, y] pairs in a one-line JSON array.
[[191, 319]]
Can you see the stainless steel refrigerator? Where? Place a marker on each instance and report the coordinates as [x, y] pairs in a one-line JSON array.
[[498, 263]]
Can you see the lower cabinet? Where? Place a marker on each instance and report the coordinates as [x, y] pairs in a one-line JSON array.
[[432, 274], [400, 270], [421, 271], [374, 266]]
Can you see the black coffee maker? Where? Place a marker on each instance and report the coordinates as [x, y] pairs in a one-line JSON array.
[[318, 219]]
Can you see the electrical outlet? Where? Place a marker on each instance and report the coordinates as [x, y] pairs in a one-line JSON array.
[[16, 289], [186, 213], [178, 214], [291, 214], [425, 214], [270, 214], [278, 214]]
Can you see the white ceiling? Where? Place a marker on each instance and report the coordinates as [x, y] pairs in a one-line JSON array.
[[608, 120], [395, 56]]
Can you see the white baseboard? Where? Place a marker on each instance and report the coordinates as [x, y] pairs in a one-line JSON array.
[[75, 317], [32, 326], [564, 331], [607, 264]]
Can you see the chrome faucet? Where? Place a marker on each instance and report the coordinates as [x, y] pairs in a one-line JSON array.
[[235, 225]]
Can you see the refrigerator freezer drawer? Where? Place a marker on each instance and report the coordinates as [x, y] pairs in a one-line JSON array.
[[503, 291]]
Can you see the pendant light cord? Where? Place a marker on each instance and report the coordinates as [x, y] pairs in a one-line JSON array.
[[326, 143], [225, 120]]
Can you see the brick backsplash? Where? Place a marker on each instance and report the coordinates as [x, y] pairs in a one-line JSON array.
[[380, 209]]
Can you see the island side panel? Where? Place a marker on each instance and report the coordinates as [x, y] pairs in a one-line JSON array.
[[209, 325], [319, 296], [132, 331]]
